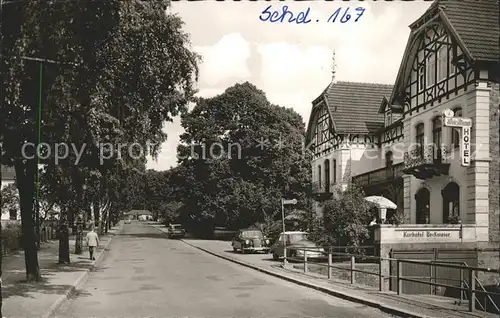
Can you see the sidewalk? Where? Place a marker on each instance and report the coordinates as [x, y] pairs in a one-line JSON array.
[[390, 302], [21, 299]]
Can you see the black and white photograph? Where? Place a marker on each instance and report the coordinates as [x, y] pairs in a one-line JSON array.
[[249, 158]]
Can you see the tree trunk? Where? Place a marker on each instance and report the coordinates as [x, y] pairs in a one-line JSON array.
[[79, 238], [1, 241], [102, 223], [25, 178], [107, 222], [96, 213], [64, 237]]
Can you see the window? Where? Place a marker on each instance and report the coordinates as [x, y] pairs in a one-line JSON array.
[[252, 234], [437, 136], [423, 201], [451, 202], [327, 175], [442, 60], [388, 159], [431, 70], [13, 214], [455, 132], [334, 171], [421, 78], [452, 66], [319, 175], [419, 138], [320, 132], [296, 237], [388, 117]]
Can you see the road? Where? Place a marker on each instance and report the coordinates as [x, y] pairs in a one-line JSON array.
[[144, 274]]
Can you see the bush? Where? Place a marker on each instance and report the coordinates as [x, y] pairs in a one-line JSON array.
[[11, 238], [345, 221]]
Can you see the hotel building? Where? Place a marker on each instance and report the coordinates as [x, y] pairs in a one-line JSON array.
[[394, 140]]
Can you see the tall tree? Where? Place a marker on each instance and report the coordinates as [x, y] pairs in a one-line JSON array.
[[113, 81], [232, 176]]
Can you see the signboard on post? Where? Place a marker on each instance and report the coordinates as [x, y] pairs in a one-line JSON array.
[[459, 122]]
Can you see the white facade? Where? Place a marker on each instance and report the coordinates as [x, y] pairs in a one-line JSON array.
[[438, 191]]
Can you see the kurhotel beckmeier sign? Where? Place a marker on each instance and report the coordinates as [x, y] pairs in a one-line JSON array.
[[459, 122]]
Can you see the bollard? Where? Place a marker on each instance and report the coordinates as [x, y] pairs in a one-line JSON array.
[[398, 277], [380, 276], [329, 265], [471, 294], [353, 265], [305, 262]]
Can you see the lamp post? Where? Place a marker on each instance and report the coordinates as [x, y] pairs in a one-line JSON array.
[[283, 203]]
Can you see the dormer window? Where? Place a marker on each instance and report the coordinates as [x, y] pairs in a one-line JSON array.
[[442, 60], [421, 78], [431, 70], [388, 117]]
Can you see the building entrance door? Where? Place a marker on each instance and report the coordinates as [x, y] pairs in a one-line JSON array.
[[422, 199]]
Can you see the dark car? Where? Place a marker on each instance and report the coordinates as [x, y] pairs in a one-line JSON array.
[[250, 240], [176, 231]]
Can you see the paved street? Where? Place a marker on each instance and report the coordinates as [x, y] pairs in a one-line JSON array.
[[145, 274]]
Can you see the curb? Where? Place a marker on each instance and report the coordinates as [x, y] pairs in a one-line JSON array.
[[80, 280], [349, 297]]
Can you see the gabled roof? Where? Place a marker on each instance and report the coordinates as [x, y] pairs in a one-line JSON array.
[[8, 173], [476, 24], [355, 106], [472, 23]]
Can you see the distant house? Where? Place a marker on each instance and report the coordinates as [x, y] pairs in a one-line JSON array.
[[141, 215], [9, 177]]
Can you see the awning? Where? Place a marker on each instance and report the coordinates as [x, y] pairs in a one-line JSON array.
[[381, 202]]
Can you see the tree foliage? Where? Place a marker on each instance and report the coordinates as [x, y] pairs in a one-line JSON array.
[[226, 177], [113, 72], [10, 198], [345, 220]]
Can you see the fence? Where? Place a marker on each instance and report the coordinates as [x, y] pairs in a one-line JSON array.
[[12, 234], [467, 288]]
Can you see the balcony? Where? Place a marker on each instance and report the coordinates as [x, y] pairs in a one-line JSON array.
[[380, 176], [322, 190], [427, 162]]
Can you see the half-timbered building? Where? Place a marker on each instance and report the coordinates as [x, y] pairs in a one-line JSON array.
[[394, 141]]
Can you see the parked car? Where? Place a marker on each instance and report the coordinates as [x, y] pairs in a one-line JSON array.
[[250, 240], [295, 243], [127, 221], [176, 231]]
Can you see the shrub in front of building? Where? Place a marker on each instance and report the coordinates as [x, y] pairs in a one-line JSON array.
[[11, 238], [345, 221]]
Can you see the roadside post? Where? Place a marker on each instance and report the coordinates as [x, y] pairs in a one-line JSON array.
[[283, 203]]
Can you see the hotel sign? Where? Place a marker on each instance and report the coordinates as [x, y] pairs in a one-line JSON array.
[[429, 236], [465, 124], [457, 122], [465, 146]]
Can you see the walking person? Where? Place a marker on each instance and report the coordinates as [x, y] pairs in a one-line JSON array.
[[92, 242]]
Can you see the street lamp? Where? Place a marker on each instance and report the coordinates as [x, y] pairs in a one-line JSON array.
[[283, 203]]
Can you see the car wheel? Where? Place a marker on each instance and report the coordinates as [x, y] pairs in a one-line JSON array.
[[276, 257]]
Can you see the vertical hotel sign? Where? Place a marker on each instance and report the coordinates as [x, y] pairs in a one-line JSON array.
[[459, 122]]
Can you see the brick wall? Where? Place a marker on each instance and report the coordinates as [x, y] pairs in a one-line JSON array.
[[494, 173]]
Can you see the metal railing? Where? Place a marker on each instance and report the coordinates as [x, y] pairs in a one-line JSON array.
[[468, 283]]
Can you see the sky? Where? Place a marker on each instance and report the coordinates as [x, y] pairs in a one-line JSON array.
[[291, 63]]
